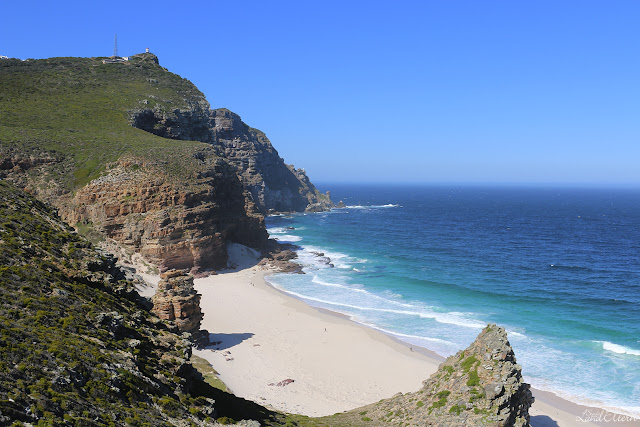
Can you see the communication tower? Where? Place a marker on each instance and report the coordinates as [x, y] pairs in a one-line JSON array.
[[115, 47]]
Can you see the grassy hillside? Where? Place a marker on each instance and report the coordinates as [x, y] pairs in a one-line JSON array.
[[78, 108], [76, 346]]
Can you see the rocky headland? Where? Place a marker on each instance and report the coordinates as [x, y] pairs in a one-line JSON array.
[[274, 185], [150, 166]]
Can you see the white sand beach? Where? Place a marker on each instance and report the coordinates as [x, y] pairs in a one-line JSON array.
[[266, 338]]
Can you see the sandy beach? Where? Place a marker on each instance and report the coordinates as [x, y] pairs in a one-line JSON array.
[[264, 338]]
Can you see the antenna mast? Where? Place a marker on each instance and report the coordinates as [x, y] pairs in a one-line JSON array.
[[115, 47]]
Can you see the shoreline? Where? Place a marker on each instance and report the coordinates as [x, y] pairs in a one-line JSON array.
[[549, 401], [334, 362]]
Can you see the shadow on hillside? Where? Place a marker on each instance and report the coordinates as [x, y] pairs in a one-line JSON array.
[[228, 405], [543, 421], [226, 341]]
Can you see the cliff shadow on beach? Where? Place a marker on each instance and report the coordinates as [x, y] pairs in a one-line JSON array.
[[226, 341]]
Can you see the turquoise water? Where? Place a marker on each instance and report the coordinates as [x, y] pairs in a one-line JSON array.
[[559, 268]]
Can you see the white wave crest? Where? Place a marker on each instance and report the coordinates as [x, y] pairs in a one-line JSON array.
[[319, 281], [390, 205], [620, 349]]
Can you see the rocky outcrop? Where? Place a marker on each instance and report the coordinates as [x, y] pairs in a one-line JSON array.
[[176, 300], [32, 170], [175, 226], [280, 256], [274, 186], [479, 386], [189, 124]]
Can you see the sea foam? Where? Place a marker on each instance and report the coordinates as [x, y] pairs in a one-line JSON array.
[[616, 348]]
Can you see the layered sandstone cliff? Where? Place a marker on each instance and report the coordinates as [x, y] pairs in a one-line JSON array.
[[175, 225], [178, 193]]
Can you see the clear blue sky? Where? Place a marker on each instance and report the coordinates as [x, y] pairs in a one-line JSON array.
[[428, 91]]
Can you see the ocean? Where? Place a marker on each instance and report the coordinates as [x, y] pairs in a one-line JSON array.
[[559, 268]]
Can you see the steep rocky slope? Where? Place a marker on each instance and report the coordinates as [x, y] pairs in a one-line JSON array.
[[273, 185], [77, 346]]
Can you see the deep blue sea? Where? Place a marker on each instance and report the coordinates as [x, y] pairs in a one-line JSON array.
[[559, 268]]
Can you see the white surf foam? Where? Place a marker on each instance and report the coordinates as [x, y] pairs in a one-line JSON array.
[[390, 205], [358, 288], [448, 318], [616, 348]]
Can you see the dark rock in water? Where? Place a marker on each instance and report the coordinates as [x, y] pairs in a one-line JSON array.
[[280, 256], [479, 386]]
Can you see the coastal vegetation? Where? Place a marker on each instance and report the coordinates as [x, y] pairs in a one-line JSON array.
[[77, 110], [77, 344]]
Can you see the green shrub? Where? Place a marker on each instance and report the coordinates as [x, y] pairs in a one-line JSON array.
[[468, 362], [456, 409], [473, 378]]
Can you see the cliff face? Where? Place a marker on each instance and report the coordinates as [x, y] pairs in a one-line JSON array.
[[274, 186], [175, 226], [479, 386]]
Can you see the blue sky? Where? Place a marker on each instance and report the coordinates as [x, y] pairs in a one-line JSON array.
[[421, 91]]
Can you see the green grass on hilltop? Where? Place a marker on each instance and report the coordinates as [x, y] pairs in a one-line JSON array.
[[78, 108]]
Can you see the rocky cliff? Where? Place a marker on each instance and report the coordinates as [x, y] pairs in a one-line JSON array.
[[274, 185], [479, 386], [175, 225]]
